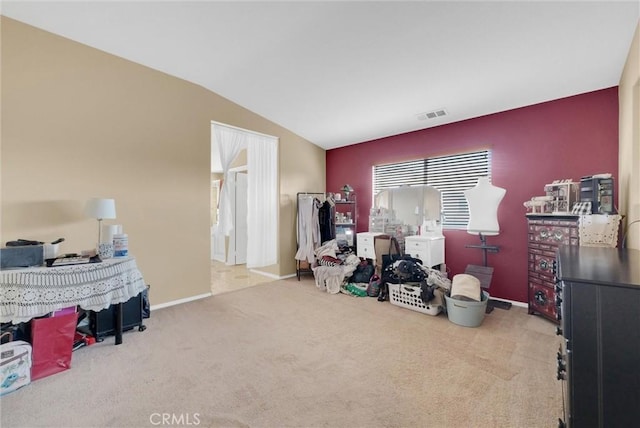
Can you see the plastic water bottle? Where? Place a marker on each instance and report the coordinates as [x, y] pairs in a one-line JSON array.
[[120, 245]]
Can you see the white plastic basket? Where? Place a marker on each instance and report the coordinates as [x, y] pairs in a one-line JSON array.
[[408, 296]]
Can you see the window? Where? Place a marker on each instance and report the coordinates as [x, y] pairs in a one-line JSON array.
[[451, 175]]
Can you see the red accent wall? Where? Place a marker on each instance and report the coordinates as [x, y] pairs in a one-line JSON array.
[[531, 146]]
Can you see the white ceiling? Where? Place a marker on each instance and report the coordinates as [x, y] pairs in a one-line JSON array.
[[339, 73]]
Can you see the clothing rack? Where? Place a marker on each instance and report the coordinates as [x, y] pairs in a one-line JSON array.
[[299, 263], [321, 196]]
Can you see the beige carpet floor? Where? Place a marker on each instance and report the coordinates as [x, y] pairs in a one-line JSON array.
[[284, 354]]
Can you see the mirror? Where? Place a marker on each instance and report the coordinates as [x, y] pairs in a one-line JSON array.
[[413, 206]]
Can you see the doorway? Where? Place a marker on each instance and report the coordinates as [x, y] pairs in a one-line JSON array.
[[260, 214], [237, 254]]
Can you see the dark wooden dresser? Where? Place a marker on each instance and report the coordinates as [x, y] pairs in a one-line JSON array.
[[599, 359], [546, 234]]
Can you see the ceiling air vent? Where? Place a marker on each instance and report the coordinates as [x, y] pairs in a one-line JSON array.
[[432, 114]]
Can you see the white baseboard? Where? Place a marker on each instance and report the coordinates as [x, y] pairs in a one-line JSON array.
[[271, 275], [180, 301], [203, 296]]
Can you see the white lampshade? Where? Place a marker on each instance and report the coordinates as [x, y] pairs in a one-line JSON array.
[[100, 208]]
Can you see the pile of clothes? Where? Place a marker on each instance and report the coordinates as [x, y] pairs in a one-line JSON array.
[[333, 268]]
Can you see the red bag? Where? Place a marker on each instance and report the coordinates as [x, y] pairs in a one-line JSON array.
[[52, 342]]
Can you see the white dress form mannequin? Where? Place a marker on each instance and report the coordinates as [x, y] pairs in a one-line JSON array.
[[483, 201]]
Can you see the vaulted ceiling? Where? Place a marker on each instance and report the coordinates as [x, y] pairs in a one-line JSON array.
[[339, 73]]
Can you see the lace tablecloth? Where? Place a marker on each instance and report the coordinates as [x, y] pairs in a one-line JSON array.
[[33, 292], [599, 230]]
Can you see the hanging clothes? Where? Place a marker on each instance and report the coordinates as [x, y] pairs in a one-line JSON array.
[[308, 228], [326, 218]]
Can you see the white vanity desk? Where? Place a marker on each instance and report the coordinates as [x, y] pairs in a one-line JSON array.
[[414, 208], [365, 245], [429, 249]]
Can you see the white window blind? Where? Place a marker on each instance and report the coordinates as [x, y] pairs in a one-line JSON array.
[[451, 175]]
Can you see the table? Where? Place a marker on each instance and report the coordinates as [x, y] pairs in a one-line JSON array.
[[34, 292]]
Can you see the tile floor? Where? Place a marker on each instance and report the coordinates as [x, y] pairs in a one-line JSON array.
[[225, 278]]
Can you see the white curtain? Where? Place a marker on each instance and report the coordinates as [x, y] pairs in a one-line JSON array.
[[230, 142], [262, 191], [262, 218]]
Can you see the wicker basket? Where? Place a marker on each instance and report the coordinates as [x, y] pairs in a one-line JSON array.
[[408, 296]]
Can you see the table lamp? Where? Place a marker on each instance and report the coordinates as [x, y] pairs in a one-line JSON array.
[[346, 189], [100, 209]]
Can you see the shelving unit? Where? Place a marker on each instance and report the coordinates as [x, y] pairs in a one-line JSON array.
[[338, 222], [346, 222]]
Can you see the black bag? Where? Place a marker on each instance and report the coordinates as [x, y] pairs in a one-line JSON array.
[[373, 289], [387, 271], [363, 273], [406, 269], [394, 253], [409, 270]]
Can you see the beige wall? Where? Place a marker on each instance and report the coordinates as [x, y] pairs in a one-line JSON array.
[[306, 171], [78, 123], [629, 151]]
